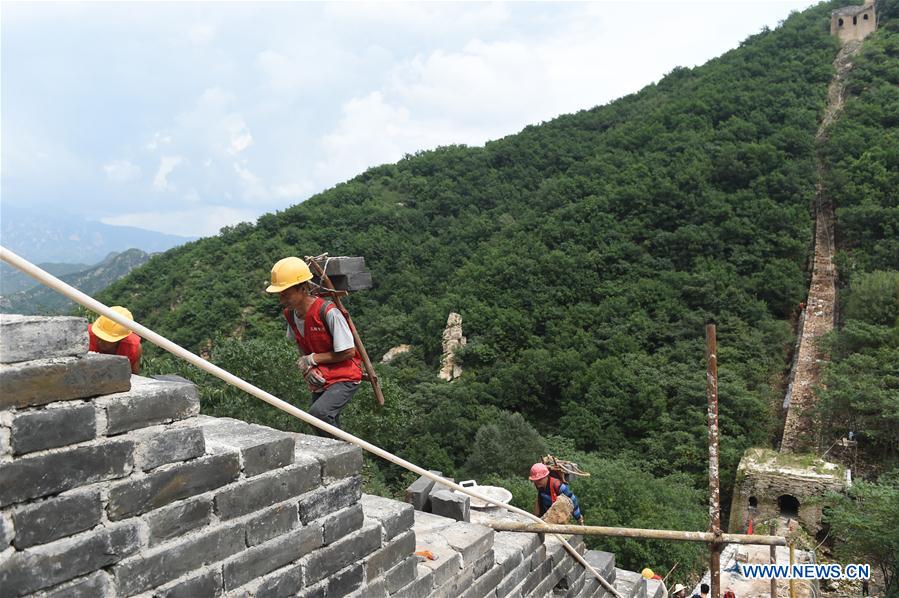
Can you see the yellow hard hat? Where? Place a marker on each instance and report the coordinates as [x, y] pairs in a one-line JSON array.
[[647, 573], [110, 331], [288, 272]]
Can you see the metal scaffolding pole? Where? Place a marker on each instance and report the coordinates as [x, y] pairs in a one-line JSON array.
[[633, 532]]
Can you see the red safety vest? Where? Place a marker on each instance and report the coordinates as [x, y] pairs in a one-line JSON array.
[[555, 484], [128, 346], [317, 339]]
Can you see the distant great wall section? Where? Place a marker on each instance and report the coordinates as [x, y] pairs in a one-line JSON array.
[[114, 485]]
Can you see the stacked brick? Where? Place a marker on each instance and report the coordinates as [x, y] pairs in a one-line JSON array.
[[473, 561], [113, 485]]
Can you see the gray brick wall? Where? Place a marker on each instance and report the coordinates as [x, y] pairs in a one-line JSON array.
[[112, 485]]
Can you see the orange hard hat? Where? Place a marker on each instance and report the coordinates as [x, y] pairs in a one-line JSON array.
[[538, 472]]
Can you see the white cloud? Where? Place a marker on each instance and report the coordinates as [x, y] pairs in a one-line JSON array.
[[201, 34], [166, 165], [121, 171], [200, 221]]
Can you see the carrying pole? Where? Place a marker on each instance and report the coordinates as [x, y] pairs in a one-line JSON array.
[[363, 354]]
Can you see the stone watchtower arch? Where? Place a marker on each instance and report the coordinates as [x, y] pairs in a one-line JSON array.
[[853, 23]]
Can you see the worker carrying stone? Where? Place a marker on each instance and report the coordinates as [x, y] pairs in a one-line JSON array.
[[549, 490], [106, 336], [329, 362]]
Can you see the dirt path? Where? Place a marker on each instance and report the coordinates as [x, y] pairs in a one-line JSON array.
[[800, 432]]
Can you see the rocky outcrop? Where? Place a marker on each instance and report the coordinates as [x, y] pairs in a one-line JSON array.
[[452, 341], [395, 352]]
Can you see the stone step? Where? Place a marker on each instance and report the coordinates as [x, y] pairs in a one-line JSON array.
[[261, 449], [43, 381], [148, 402], [26, 338]]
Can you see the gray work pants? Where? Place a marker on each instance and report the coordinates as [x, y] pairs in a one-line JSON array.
[[326, 405]]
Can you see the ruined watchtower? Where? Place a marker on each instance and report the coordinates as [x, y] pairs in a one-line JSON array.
[[853, 22], [771, 485]]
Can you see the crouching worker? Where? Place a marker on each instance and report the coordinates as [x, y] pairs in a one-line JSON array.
[[549, 489], [105, 336], [329, 363]]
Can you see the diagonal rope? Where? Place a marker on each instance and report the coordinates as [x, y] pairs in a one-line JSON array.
[[160, 341]]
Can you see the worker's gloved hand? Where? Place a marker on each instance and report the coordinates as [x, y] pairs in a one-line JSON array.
[[314, 379], [581, 520], [306, 363]]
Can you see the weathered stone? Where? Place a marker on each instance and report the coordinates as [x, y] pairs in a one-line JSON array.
[[149, 402], [317, 591], [172, 560], [281, 584], [51, 564], [486, 583], [448, 503], [178, 519], [272, 523], [50, 428], [484, 563], [25, 338], [448, 562], [536, 576], [331, 559], [546, 585], [376, 588], [52, 473], [357, 281], [7, 531], [603, 562], [56, 518], [402, 574], [389, 555], [330, 498], [422, 585], [343, 522], [259, 560], [268, 489], [171, 483], [394, 516], [261, 449], [205, 585], [513, 578], [45, 381], [344, 582], [418, 494], [469, 540], [338, 459], [5, 448], [96, 585], [161, 445], [454, 586], [344, 265]]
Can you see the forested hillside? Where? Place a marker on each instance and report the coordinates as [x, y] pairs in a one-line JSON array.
[[861, 381], [585, 256]]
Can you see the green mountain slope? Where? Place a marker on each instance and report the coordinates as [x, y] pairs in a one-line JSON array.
[[585, 256], [862, 159], [89, 279]]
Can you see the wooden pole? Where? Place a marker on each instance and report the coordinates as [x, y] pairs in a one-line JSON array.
[[633, 532], [363, 354], [792, 581], [773, 579], [714, 478]]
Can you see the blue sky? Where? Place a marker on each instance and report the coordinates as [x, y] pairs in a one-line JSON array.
[[186, 117]]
